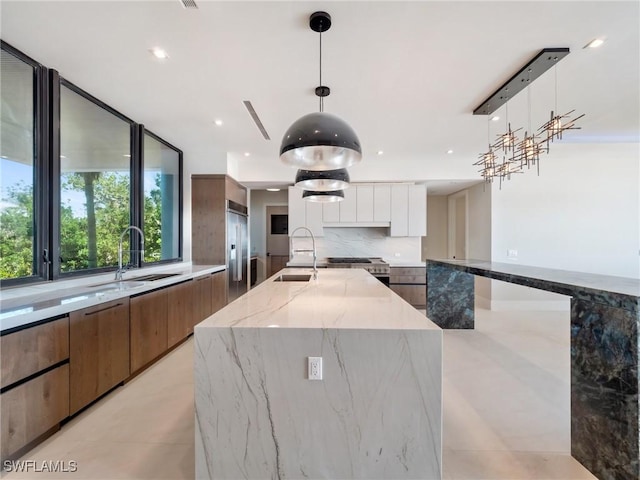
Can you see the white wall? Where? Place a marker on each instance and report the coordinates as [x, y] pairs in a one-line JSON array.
[[479, 224], [434, 245], [582, 213]]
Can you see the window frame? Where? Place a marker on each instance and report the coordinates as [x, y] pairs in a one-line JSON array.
[[46, 178], [55, 176], [41, 170], [143, 131]]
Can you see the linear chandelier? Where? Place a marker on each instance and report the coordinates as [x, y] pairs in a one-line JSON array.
[[525, 152]]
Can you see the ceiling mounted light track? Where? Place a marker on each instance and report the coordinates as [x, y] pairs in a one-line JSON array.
[[320, 141], [322, 181]]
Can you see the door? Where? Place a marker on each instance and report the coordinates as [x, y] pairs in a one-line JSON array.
[[277, 238]]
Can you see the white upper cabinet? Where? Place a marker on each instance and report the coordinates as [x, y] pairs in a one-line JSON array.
[[304, 214], [400, 206], [348, 206], [382, 203], [417, 210], [400, 210], [364, 203]]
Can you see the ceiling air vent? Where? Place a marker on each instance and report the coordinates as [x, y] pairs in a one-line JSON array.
[[188, 3], [256, 119]]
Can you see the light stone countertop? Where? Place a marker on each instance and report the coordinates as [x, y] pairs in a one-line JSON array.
[[22, 306], [339, 298]]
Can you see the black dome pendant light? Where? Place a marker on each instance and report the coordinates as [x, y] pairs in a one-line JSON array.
[[324, 197], [322, 181], [320, 141]]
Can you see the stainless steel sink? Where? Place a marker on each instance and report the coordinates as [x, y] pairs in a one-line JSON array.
[[292, 278], [155, 276], [117, 285]]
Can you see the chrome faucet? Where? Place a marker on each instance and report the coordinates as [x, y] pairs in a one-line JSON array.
[[122, 269], [313, 250]]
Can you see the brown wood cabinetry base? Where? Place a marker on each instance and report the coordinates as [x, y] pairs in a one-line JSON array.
[[33, 408], [99, 351], [181, 312], [148, 327]]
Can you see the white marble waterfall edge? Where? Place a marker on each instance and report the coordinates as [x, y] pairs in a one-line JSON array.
[[377, 413]]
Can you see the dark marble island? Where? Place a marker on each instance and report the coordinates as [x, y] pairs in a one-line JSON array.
[[604, 350]]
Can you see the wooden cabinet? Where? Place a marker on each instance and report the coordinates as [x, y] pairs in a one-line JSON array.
[[33, 408], [218, 291], [29, 409], [209, 196], [149, 317], [181, 312], [33, 349], [410, 283], [98, 351], [203, 299]]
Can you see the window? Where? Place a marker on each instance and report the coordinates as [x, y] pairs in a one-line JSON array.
[[74, 173], [19, 210], [95, 182], [161, 214]]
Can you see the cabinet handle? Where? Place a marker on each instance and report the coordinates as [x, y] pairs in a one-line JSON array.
[[103, 309]]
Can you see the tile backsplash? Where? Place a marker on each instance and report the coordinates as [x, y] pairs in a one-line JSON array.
[[363, 242]]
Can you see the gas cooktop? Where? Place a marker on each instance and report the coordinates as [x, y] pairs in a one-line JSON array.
[[348, 260]]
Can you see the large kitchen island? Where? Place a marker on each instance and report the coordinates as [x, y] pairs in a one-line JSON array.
[[376, 412]]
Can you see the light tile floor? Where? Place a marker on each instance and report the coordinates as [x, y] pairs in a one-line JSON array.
[[506, 411]]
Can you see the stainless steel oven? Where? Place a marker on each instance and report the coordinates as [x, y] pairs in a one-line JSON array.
[[374, 265]]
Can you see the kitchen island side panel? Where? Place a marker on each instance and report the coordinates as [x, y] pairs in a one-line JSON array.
[[377, 413]]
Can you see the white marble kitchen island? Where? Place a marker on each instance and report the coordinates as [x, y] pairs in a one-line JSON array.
[[377, 412]]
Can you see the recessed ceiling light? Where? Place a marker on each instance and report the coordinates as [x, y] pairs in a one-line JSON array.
[[380, 152], [218, 122], [595, 43], [159, 53], [495, 118], [126, 155], [449, 151], [62, 156], [273, 189], [246, 154]]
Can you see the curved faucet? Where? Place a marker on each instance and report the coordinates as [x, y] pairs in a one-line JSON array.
[[313, 242], [122, 269]]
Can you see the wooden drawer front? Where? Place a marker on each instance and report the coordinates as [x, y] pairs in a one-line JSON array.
[[416, 295], [412, 271], [31, 350], [149, 315], [33, 408], [181, 312], [99, 357]]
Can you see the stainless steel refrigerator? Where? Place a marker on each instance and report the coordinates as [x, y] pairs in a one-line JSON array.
[[237, 251]]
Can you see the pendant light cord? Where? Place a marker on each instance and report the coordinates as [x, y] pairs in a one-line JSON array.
[[321, 97]]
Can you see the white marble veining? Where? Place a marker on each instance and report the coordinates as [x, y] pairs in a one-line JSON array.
[[24, 305], [377, 413], [364, 242], [339, 298]]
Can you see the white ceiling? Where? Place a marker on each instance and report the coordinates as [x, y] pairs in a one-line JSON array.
[[405, 75]]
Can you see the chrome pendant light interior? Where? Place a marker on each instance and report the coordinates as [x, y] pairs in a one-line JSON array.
[[320, 141], [324, 197], [322, 181]]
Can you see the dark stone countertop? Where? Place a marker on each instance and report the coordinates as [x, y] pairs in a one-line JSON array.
[[620, 292]]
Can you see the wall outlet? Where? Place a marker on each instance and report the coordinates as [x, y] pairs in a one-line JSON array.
[[512, 253], [315, 368], [396, 254]]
